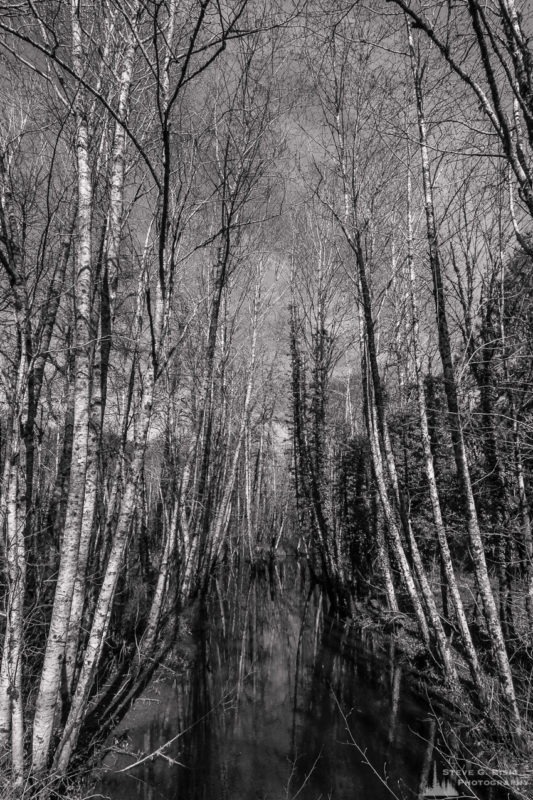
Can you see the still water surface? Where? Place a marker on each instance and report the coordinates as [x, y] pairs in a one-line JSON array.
[[272, 707]]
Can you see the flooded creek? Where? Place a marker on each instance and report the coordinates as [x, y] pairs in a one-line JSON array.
[[268, 707]]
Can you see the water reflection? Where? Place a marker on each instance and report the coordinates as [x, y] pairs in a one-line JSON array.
[[279, 704]]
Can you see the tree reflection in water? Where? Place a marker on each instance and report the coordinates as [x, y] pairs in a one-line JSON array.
[[276, 706]]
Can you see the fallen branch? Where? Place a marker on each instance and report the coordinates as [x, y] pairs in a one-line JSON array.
[[158, 753]]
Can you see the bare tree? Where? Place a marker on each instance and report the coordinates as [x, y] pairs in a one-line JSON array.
[[456, 428]]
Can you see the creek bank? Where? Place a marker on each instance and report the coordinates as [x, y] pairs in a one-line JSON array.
[[376, 634]]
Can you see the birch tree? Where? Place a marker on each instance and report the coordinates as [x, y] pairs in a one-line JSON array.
[[145, 54], [456, 428], [492, 58]]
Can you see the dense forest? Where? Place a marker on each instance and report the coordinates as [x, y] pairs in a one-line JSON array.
[[266, 288]]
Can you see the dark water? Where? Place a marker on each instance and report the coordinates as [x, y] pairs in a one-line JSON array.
[[273, 708]]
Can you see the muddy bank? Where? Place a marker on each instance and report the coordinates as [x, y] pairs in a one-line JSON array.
[[476, 744]]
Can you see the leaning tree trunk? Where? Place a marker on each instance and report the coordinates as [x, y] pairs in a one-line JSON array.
[[393, 537], [393, 532], [429, 466], [127, 506], [376, 405], [12, 660], [46, 705], [526, 539], [11, 525], [101, 322], [476, 542]]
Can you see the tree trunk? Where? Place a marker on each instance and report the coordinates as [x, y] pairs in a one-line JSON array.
[[446, 558], [476, 541], [393, 537], [100, 369], [52, 670], [393, 532], [102, 611]]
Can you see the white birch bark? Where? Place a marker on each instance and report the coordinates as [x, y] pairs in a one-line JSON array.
[[17, 580], [11, 671], [429, 466], [113, 234], [102, 613], [11, 707], [393, 534], [128, 501], [420, 572], [47, 698], [476, 540]]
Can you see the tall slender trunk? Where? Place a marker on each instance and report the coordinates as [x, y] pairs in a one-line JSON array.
[[379, 429], [526, 544], [11, 526], [429, 466], [102, 322], [47, 699], [248, 495], [393, 532], [426, 592], [476, 541], [17, 580], [393, 537], [127, 506], [523, 504], [12, 660], [103, 608]]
